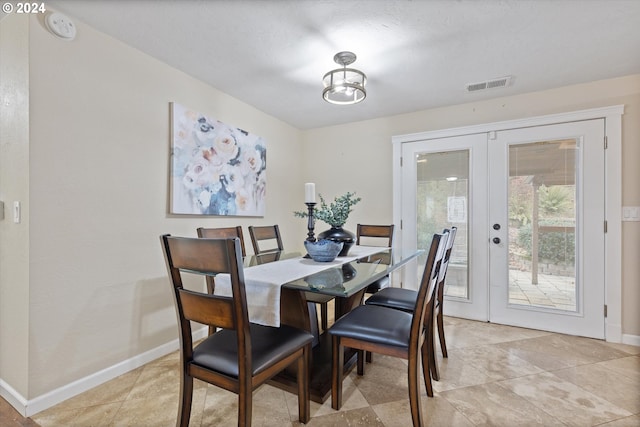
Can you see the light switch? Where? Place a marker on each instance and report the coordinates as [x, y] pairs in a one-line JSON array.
[[631, 213], [16, 212]]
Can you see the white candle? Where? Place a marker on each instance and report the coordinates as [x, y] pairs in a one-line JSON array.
[[309, 192]]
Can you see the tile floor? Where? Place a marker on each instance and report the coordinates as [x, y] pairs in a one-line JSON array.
[[495, 376]]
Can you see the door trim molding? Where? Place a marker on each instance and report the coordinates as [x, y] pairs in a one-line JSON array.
[[613, 187]]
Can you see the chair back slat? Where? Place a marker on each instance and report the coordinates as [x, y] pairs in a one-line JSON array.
[[207, 309], [447, 253], [223, 233], [364, 231], [262, 233]]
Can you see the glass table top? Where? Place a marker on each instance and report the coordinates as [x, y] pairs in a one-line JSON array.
[[341, 280]]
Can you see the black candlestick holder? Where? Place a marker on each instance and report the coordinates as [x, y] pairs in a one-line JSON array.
[[311, 223]]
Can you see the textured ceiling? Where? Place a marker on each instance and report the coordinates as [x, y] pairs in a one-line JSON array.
[[416, 54]]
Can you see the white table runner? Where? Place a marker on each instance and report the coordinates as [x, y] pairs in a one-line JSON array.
[[263, 282]]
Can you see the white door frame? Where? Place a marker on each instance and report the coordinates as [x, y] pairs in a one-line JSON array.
[[613, 188]]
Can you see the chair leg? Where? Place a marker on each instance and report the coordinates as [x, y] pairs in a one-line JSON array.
[[426, 369], [304, 408], [324, 317], [186, 396], [337, 368], [361, 359], [443, 344], [414, 390], [431, 350], [245, 405]]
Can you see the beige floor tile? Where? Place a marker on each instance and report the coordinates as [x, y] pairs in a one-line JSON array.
[[156, 410], [436, 412], [493, 405], [564, 400], [557, 351], [471, 334], [456, 373], [91, 416], [385, 380], [352, 398], [159, 380], [497, 363], [620, 387], [116, 390], [633, 421], [628, 366], [270, 406], [365, 417]]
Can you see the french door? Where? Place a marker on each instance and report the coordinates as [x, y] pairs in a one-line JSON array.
[[444, 184], [529, 207]]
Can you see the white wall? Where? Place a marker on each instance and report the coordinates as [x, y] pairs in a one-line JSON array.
[[14, 186]]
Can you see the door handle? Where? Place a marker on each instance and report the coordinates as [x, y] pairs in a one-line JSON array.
[[496, 240]]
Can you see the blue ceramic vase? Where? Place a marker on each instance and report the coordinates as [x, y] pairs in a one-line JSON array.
[[323, 250]]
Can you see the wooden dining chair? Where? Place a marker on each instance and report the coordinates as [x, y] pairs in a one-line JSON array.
[[220, 233], [373, 235], [241, 355], [270, 233], [393, 333], [404, 300]]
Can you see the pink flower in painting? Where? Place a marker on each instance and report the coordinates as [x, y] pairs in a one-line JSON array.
[[251, 161], [242, 200], [200, 172], [226, 147]]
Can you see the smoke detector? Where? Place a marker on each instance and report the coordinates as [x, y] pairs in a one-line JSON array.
[[489, 84], [60, 26]]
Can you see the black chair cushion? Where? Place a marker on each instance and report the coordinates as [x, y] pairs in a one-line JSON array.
[[396, 298], [219, 352], [378, 285], [375, 324]]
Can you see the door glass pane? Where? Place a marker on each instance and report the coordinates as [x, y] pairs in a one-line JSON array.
[[442, 202], [542, 224]]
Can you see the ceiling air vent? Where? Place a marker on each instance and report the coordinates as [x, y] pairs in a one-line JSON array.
[[489, 84]]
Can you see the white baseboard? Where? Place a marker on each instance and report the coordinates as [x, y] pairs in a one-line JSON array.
[[631, 339], [14, 398], [31, 407]]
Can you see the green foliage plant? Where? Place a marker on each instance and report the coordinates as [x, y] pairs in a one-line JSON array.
[[336, 213]]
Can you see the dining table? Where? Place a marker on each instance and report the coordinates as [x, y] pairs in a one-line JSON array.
[[282, 288]]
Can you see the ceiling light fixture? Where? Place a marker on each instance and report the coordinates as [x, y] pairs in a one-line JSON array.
[[344, 85]]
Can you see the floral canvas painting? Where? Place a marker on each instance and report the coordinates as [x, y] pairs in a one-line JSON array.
[[216, 169]]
